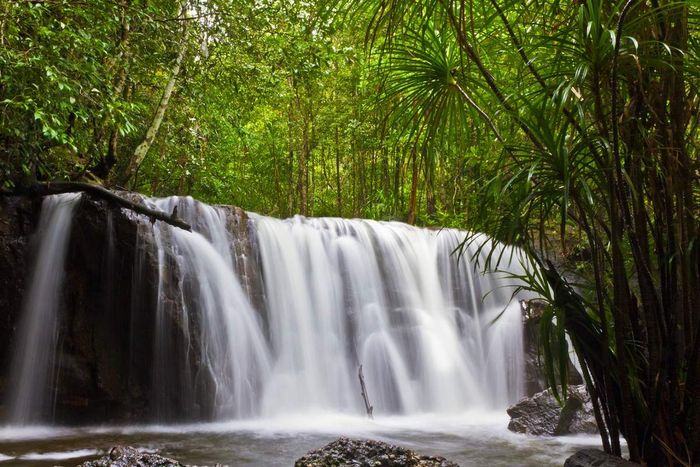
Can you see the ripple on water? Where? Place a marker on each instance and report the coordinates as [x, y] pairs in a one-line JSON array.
[[474, 439], [59, 455]]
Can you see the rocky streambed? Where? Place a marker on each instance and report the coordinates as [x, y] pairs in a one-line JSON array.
[[340, 453]]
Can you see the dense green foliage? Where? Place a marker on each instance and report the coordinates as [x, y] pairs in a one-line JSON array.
[[594, 105], [567, 128], [276, 108]]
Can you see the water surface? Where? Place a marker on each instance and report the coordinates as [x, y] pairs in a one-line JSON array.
[[470, 439]]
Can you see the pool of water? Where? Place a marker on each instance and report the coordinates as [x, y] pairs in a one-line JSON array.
[[470, 439]]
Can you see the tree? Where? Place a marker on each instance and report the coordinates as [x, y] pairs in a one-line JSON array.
[[592, 104], [75, 84], [142, 149]]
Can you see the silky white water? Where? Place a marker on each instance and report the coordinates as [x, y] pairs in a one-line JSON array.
[[391, 297], [339, 294], [335, 294], [33, 368]]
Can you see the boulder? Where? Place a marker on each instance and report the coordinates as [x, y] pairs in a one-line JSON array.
[[126, 456], [368, 453], [535, 380], [535, 415], [596, 458], [577, 415], [541, 414]]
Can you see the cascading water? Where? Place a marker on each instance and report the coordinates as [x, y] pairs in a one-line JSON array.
[[234, 357], [336, 294], [393, 298], [33, 371]]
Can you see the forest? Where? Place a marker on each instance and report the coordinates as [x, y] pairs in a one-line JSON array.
[[566, 128]]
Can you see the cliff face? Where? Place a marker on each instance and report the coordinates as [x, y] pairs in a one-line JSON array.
[[109, 303], [18, 216]]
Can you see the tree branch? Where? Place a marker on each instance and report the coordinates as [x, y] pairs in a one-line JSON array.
[[52, 188]]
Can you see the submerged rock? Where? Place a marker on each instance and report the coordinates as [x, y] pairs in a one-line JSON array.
[[368, 453], [596, 458], [126, 456], [541, 414]]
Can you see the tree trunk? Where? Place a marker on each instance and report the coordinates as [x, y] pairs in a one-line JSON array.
[[430, 206], [52, 188], [290, 159], [411, 218], [106, 163], [338, 192], [142, 149]]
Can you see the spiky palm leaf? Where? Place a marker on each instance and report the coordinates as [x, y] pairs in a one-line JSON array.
[[595, 99]]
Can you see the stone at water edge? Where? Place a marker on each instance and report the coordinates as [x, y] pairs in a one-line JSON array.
[[577, 415], [596, 458], [536, 415], [126, 456], [368, 453], [541, 414]]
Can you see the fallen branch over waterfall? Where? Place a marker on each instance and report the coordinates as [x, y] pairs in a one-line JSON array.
[[363, 388], [54, 188]]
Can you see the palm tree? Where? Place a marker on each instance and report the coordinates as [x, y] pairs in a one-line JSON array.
[[594, 106]]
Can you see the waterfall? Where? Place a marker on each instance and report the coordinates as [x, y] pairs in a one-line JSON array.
[[231, 345], [34, 370], [340, 293], [275, 319], [336, 294]]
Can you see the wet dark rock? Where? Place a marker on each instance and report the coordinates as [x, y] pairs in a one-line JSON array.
[[244, 251], [535, 380], [536, 415], [596, 458], [368, 453], [18, 217], [103, 370], [126, 456], [541, 414], [108, 313], [577, 415]]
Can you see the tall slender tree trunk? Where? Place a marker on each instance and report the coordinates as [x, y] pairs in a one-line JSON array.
[[290, 159], [398, 189], [411, 219], [338, 192], [354, 194], [104, 166], [385, 171], [302, 174], [430, 206], [142, 149]]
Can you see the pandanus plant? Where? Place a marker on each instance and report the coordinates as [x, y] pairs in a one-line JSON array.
[[593, 106]]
